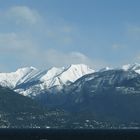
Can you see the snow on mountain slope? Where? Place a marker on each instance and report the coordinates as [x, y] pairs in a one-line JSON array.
[[14, 78], [30, 80], [54, 79], [74, 72], [62, 76], [134, 67], [51, 73], [105, 69], [58, 76]]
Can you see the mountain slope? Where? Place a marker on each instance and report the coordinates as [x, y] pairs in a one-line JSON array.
[[132, 67], [17, 111], [14, 78], [12, 102], [52, 80], [30, 81], [107, 98], [112, 95]]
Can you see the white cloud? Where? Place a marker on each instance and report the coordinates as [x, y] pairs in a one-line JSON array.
[[27, 53], [61, 33], [30, 21], [22, 15], [13, 43], [22, 48], [58, 58], [51, 57]]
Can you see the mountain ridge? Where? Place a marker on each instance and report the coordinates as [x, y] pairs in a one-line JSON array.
[[30, 81], [46, 79], [107, 95]]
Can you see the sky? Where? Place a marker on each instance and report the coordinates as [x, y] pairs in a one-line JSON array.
[[46, 33]]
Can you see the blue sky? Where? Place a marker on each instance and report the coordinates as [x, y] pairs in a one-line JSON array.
[[45, 33]]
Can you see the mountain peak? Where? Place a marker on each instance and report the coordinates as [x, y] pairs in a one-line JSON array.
[[41, 80], [135, 67], [26, 69], [105, 69], [78, 65], [52, 72], [75, 71], [13, 78], [126, 67]]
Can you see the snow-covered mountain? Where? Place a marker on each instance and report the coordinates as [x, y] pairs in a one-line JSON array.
[[132, 67], [30, 81], [114, 84], [109, 94], [105, 69], [62, 76], [14, 78]]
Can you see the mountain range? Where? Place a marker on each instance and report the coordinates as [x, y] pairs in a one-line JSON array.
[[87, 98], [30, 81]]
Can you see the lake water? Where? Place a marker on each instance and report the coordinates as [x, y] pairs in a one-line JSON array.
[[57, 134]]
